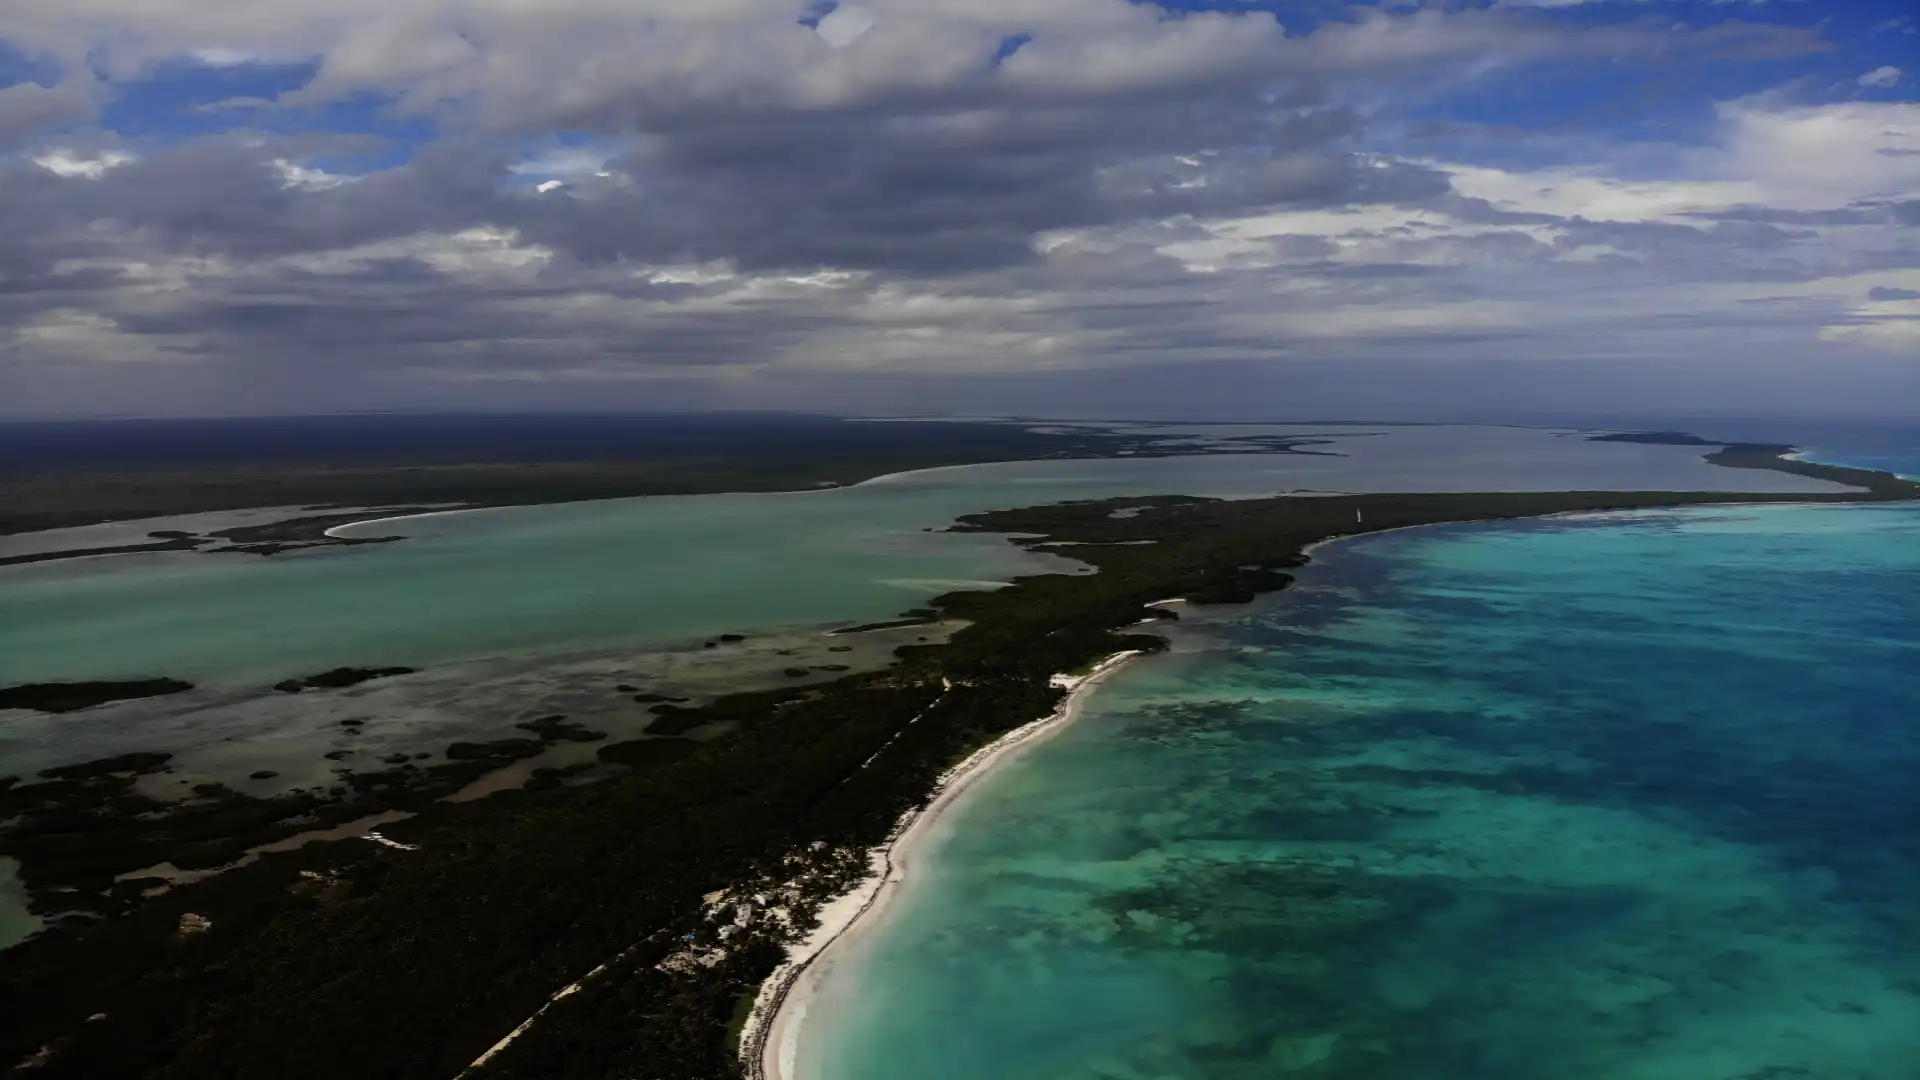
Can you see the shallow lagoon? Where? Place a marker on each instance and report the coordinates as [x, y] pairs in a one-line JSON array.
[[638, 571], [1631, 797], [525, 611]]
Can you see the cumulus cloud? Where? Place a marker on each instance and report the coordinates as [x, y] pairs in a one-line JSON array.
[[1823, 155], [66, 162], [27, 108], [1881, 77], [612, 63], [718, 197]]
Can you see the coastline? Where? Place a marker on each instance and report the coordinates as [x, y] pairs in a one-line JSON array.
[[1201, 550], [340, 532], [961, 980], [1308, 549], [299, 513], [334, 532], [769, 1040], [1812, 457], [822, 453]]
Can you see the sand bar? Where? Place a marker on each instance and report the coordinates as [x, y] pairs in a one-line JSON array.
[[770, 1041], [339, 532]]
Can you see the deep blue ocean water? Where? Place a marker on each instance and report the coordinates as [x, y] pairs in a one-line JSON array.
[[1893, 448], [1889, 445], [1629, 797], [1900, 460]]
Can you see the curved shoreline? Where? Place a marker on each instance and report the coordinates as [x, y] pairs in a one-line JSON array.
[[1564, 515], [769, 1041], [1211, 553], [341, 533], [334, 532], [884, 479], [1812, 457]]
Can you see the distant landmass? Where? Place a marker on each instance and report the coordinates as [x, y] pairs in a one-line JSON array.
[[59, 474], [1657, 438]]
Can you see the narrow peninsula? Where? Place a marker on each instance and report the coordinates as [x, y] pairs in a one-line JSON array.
[[627, 927]]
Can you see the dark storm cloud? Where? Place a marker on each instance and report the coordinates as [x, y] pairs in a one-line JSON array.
[[930, 191], [893, 172], [1123, 190], [922, 193], [393, 309], [222, 195]]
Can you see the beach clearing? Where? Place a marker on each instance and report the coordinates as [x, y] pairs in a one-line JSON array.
[[769, 1042]]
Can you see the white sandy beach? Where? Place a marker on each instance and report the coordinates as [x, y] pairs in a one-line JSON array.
[[338, 532], [786, 1004], [770, 1040]]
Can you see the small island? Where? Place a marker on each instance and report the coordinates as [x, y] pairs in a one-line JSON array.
[[1655, 438]]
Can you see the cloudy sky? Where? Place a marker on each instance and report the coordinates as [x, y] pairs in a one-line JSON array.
[[1300, 208]]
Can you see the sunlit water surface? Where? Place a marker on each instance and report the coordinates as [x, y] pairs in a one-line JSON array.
[[1631, 798]]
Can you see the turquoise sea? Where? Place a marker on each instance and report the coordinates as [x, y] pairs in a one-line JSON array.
[[1630, 797]]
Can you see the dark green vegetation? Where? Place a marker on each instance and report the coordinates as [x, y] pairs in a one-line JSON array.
[[68, 697], [560, 729], [1771, 456], [118, 549], [136, 763], [353, 959], [301, 533], [273, 536], [80, 828], [339, 678], [913, 617], [1655, 438], [1768, 456], [655, 699]]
